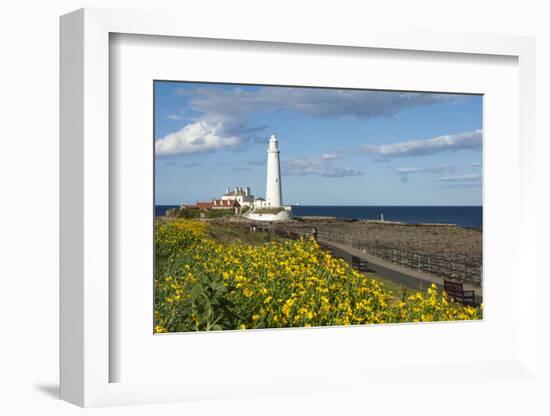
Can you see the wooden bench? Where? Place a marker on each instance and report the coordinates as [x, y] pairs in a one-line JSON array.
[[456, 291], [358, 263]]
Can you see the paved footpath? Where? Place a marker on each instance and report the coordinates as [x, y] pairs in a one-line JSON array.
[[394, 272]]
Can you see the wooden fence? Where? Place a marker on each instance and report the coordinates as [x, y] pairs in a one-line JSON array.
[[453, 269], [438, 265]]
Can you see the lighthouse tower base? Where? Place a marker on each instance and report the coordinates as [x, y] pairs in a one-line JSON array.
[[269, 214]]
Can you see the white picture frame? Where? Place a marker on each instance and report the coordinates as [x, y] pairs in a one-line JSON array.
[[86, 355]]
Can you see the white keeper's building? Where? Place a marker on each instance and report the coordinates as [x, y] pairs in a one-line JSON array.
[[240, 194]]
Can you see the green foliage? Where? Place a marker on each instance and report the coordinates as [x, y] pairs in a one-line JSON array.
[[195, 213], [187, 213], [219, 213], [210, 308]]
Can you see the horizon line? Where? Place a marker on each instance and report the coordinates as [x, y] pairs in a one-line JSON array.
[[359, 205]]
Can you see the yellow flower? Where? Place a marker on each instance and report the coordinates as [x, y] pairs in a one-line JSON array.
[[298, 284]]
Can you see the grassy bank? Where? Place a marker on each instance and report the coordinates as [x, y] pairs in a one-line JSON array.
[[212, 277]]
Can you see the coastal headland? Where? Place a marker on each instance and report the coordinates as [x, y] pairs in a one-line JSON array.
[[453, 242]]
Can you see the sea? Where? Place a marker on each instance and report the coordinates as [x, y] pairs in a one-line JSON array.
[[464, 216]]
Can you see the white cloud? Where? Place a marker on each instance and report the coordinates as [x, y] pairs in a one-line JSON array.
[[198, 137], [434, 170], [330, 156], [315, 102], [466, 140], [230, 110], [226, 112], [316, 165], [405, 172], [461, 179], [191, 165], [174, 117]]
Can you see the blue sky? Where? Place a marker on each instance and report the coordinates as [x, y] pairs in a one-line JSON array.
[[338, 147]]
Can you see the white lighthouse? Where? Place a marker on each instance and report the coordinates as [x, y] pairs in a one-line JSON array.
[[273, 194], [272, 208]]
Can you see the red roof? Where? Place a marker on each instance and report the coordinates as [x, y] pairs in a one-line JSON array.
[[204, 205]]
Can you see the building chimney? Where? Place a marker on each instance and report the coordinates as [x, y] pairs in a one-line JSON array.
[[228, 189], [247, 193]]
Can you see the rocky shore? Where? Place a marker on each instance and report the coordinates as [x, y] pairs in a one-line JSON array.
[[448, 241]]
